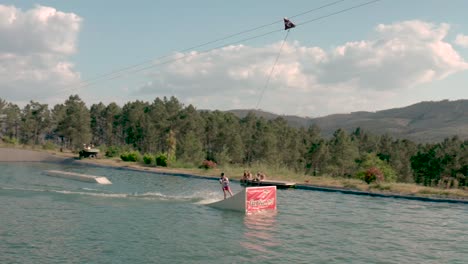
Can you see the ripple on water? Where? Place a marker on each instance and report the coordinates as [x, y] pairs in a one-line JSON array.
[[150, 218]]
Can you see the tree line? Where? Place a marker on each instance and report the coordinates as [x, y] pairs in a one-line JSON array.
[[190, 136]]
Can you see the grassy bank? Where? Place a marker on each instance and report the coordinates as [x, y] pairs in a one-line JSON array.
[[278, 173], [273, 173]]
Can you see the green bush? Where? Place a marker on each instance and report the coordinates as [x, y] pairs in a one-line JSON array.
[[130, 156], [148, 159], [161, 160], [10, 140], [124, 156], [134, 156], [113, 151], [372, 166]]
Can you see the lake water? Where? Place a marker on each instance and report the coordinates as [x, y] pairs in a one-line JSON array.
[[151, 218]]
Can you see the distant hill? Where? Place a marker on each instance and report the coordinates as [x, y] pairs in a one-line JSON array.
[[421, 122], [294, 121]]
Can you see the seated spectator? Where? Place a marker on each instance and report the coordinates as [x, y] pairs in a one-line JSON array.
[[257, 177], [249, 176]]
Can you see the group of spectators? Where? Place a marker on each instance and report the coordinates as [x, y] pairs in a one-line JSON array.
[[248, 176]]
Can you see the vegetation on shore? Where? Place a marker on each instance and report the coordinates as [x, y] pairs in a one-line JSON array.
[[276, 174], [167, 134]]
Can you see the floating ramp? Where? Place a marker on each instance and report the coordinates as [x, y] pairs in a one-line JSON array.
[[278, 184], [250, 200], [78, 177]]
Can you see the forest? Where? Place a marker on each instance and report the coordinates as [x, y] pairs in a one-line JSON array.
[[183, 135]]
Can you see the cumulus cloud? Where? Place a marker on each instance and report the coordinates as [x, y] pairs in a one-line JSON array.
[[402, 55], [36, 46], [462, 40], [364, 74], [34, 49]]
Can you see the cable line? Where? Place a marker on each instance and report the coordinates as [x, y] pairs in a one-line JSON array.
[[90, 81], [338, 12], [180, 58], [128, 70], [272, 69]]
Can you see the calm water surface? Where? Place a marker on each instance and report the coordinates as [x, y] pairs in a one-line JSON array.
[[151, 218]]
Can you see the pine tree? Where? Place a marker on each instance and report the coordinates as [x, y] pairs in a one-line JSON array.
[[113, 132], [98, 123], [75, 123], [11, 121], [35, 119], [344, 153]]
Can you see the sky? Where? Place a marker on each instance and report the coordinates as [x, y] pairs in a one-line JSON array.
[[236, 54]]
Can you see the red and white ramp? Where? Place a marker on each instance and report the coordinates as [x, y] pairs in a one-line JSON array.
[[250, 200]]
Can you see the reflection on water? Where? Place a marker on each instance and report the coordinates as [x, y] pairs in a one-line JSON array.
[[259, 233]]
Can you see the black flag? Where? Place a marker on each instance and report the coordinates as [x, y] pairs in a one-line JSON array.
[[288, 24]]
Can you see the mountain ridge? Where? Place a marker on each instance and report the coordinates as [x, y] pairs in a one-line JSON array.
[[427, 121]]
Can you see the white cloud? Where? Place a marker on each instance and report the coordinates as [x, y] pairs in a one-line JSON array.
[[402, 55], [462, 40], [368, 74], [34, 52], [364, 74]]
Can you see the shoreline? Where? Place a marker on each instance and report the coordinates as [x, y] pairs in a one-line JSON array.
[[28, 155], [8, 154]]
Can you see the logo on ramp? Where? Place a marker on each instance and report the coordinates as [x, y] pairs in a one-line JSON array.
[[260, 199]]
